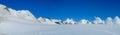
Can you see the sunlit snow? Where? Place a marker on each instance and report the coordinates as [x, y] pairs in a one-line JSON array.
[[22, 22]]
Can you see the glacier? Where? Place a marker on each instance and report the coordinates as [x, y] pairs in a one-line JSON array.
[[23, 22]]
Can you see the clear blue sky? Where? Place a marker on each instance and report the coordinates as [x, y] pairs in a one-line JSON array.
[[62, 9]]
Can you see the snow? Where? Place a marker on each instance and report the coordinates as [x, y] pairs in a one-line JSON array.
[[48, 21], [26, 14], [13, 12], [41, 19], [69, 21], [3, 11], [20, 26], [84, 21], [109, 20], [116, 20], [27, 28], [98, 20], [23, 22]]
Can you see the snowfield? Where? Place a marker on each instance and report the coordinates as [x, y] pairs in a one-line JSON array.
[[23, 27]]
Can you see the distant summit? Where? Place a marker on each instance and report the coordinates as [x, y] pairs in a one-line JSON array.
[[7, 12]]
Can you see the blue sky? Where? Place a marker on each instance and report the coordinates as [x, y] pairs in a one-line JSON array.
[[62, 9]]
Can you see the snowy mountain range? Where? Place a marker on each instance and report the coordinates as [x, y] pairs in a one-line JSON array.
[[23, 22], [25, 14], [97, 20]]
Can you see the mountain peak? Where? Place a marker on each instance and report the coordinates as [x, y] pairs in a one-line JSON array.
[[6, 12]]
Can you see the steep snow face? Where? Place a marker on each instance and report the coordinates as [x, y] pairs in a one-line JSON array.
[[13, 12], [4, 10], [84, 21], [117, 20], [109, 20], [69, 21], [98, 21], [26, 14]]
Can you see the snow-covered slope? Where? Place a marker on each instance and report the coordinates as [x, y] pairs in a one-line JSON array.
[[98, 21], [19, 26], [41, 19], [116, 20], [15, 28], [69, 21], [13, 12], [109, 20], [84, 21], [49, 21], [22, 22], [26, 14], [6, 12]]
